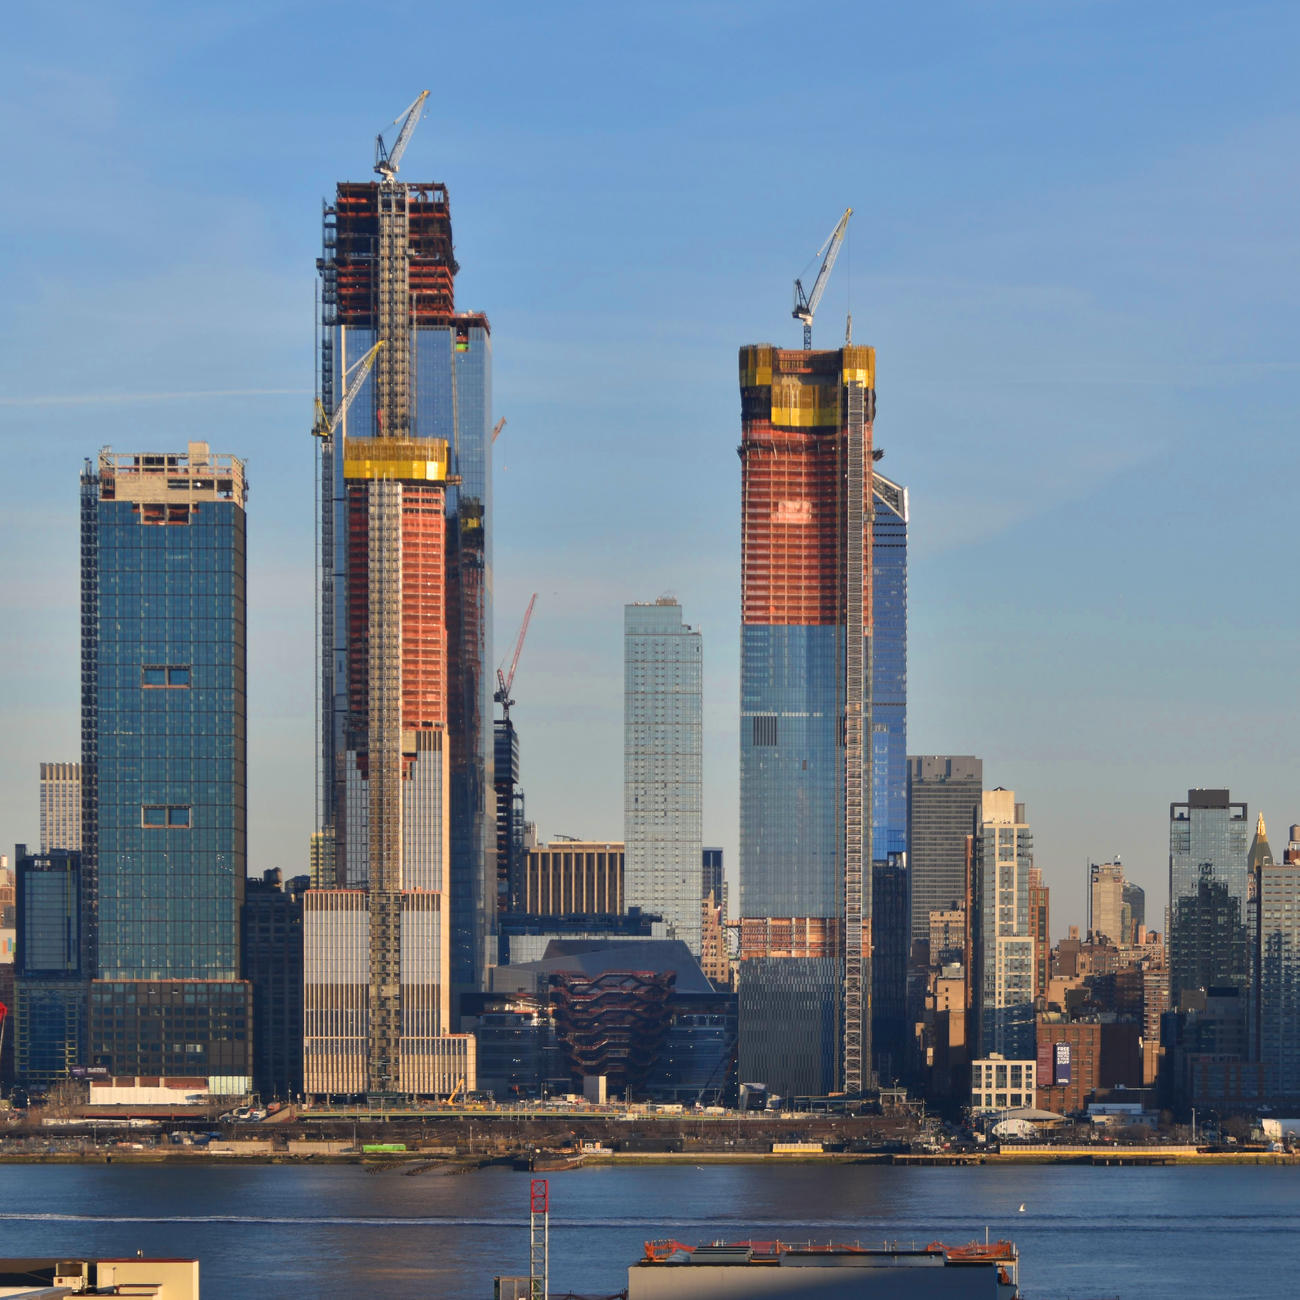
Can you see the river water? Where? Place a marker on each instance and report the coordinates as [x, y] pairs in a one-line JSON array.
[[270, 1231]]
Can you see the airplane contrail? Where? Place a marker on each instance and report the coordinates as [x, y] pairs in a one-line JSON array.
[[122, 399]]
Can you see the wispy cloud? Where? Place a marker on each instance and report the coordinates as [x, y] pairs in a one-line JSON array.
[[127, 399]]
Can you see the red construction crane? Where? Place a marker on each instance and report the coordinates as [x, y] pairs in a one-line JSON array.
[[506, 680]]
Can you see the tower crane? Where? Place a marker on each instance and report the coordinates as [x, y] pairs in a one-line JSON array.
[[387, 160], [324, 425], [506, 680], [805, 306], [496, 432]]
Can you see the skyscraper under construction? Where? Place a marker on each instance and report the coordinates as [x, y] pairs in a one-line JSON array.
[[805, 750], [405, 626]]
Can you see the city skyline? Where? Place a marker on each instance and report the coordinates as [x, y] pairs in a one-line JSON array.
[[1054, 519]]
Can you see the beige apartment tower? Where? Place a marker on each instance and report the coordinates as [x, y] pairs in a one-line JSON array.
[[574, 876], [338, 1051], [1106, 901], [60, 807]]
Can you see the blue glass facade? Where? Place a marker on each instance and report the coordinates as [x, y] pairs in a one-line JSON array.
[[944, 794], [889, 897], [698, 1057], [791, 772], [164, 741], [791, 794], [889, 671], [451, 398], [1210, 934], [807, 745], [49, 984], [889, 953], [48, 915], [458, 360], [790, 1023], [170, 779], [663, 766], [715, 880]]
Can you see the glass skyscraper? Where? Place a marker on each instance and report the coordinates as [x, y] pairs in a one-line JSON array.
[[944, 794], [1002, 937], [806, 744], [451, 401], [715, 880], [1209, 919], [891, 928], [663, 727], [49, 977], [406, 795], [164, 763], [1277, 896], [889, 669]]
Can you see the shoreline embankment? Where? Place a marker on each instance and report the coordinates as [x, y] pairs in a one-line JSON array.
[[427, 1162]]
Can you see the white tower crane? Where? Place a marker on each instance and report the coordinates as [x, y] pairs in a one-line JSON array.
[[387, 160], [805, 307]]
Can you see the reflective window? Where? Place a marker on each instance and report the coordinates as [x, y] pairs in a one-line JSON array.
[[167, 672]]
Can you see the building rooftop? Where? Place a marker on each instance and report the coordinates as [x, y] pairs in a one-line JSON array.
[[596, 956], [890, 1269], [194, 475], [48, 1279]]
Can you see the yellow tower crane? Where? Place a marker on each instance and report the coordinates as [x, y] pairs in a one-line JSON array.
[[324, 425]]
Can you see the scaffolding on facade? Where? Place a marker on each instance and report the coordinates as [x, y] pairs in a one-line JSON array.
[[856, 536], [384, 592]]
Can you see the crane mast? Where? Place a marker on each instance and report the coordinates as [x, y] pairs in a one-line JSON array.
[[805, 305], [391, 321]]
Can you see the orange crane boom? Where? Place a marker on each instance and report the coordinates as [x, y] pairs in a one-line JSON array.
[[506, 680]]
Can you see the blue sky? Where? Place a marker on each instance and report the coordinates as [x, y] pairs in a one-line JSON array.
[[1074, 248]]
